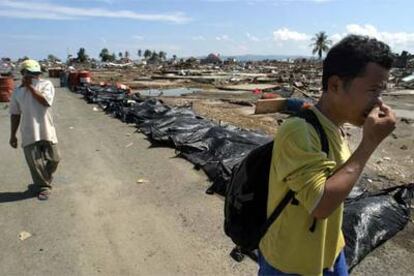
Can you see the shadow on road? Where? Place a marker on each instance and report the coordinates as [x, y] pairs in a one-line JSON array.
[[16, 196]]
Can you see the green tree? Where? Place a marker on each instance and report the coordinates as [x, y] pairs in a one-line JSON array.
[[126, 54], [82, 56], [155, 58], [52, 58], [320, 44], [112, 57], [139, 52], [147, 54], [174, 57], [162, 55], [104, 55], [120, 55], [23, 59], [191, 60]]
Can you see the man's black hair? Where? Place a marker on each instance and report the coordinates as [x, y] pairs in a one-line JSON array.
[[349, 57]]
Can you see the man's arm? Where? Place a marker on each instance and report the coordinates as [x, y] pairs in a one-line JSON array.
[[14, 123], [340, 184], [37, 95], [27, 82]]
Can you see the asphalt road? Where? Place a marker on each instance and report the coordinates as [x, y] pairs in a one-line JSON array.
[[99, 220]]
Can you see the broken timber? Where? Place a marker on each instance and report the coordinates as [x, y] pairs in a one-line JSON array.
[[270, 106]]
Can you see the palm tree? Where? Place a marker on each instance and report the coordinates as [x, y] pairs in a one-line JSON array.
[[52, 58], [155, 58], [104, 55], [82, 56], [147, 54], [320, 44], [162, 55]]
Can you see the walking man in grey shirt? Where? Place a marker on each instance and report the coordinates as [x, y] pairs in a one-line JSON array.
[[30, 107]]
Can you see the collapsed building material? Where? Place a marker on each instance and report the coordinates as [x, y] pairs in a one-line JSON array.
[[251, 87], [369, 218], [270, 106], [290, 105], [408, 82], [55, 72]]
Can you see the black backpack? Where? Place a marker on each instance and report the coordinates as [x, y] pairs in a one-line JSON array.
[[245, 207]]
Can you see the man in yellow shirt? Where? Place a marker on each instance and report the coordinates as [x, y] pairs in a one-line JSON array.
[[306, 239]]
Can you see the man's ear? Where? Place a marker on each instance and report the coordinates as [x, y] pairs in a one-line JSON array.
[[334, 84]]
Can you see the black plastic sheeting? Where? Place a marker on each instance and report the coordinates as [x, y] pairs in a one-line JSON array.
[[218, 150], [111, 99], [97, 94], [369, 218], [214, 149]]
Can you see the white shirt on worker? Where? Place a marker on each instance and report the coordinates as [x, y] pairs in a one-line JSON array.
[[36, 122]]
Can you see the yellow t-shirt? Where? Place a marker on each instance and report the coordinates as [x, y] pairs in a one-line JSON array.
[[299, 164]]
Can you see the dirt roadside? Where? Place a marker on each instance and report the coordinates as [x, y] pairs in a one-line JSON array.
[[99, 220]]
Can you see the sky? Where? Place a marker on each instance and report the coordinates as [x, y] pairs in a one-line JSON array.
[[37, 28]]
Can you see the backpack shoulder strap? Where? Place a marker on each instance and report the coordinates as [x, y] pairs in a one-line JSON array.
[[279, 208], [310, 117]]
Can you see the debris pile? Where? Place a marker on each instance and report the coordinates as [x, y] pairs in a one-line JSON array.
[[370, 218]]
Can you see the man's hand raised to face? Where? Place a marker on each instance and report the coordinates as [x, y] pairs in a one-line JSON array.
[[26, 82], [379, 123]]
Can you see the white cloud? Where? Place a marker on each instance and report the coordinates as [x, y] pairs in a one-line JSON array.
[[44, 10], [368, 30], [198, 37], [252, 2], [284, 34], [397, 40], [252, 37], [222, 37], [38, 15], [335, 38]]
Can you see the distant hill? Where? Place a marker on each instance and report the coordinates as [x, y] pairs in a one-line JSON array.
[[258, 57], [263, 57]]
